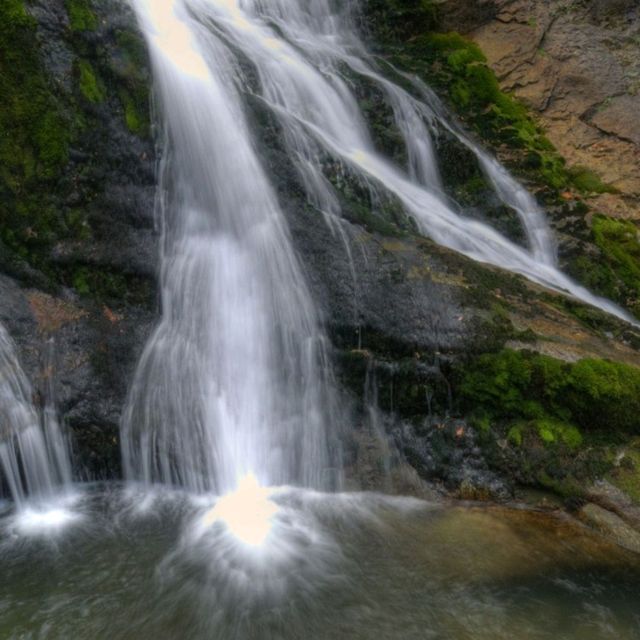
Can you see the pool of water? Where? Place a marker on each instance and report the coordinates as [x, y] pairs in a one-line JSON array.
[[121, 564]]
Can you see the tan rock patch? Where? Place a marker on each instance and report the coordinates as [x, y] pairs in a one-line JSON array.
[[581, 78], [51, 313]]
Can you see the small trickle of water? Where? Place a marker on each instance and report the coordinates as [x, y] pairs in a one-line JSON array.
[[34, 452]]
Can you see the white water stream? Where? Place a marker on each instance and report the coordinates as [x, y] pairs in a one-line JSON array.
[[235, 380], [34, 453]]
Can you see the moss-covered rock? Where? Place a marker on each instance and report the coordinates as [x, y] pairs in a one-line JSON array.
[[51, 175], [76, 200], [511, 386], [549, 423], [90, 86], [34, 140], [81, 15]]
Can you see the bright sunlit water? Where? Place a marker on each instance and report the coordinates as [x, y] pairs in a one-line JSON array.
[[248, 512], [141, 567]]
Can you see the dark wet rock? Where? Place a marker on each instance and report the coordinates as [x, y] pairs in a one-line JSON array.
[[403, 315], [446, 452], [82, 271]]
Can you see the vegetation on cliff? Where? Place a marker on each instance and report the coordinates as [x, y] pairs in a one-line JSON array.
[[34, 145], [408, 34], [515, 386], [49, 166], [617, 272]]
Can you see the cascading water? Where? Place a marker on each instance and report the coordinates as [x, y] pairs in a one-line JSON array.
[[299, 52], [235, 380], [34, 453], [234, 392]]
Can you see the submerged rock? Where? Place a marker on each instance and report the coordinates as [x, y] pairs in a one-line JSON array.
[[611, 526]]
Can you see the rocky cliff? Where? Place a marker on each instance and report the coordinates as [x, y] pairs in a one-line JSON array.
[[453, 371], [77, 240], [491, 77]]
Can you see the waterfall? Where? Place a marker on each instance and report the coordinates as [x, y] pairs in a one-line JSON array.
[[300, 51], [235, 381], [34, 453]]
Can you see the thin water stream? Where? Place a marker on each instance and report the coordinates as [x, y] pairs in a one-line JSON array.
[[34, 452], [298, 53]]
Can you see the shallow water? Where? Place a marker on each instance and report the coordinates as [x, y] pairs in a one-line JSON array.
[[129, 565]]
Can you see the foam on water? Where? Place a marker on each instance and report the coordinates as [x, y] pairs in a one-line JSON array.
[[44, 521]]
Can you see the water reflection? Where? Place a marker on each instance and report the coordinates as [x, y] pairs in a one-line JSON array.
[[140, 566]]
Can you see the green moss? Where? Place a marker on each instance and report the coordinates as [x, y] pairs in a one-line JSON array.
[[460, 58], [81, 16], [451, 43], [514, 435], [588, 181], [513, 386], [130, 68], [604, 395], [619, 240], [132, 117], [90, 86], [14, 14], [34, 138], [136, 111], [51, 137], [81, 281], [616, 271], [554, 431], [549, 431], [107, 286], [482, 424]]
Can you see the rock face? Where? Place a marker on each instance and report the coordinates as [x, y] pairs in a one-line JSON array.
[[405, 316], [78, 244], [577, 66]]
